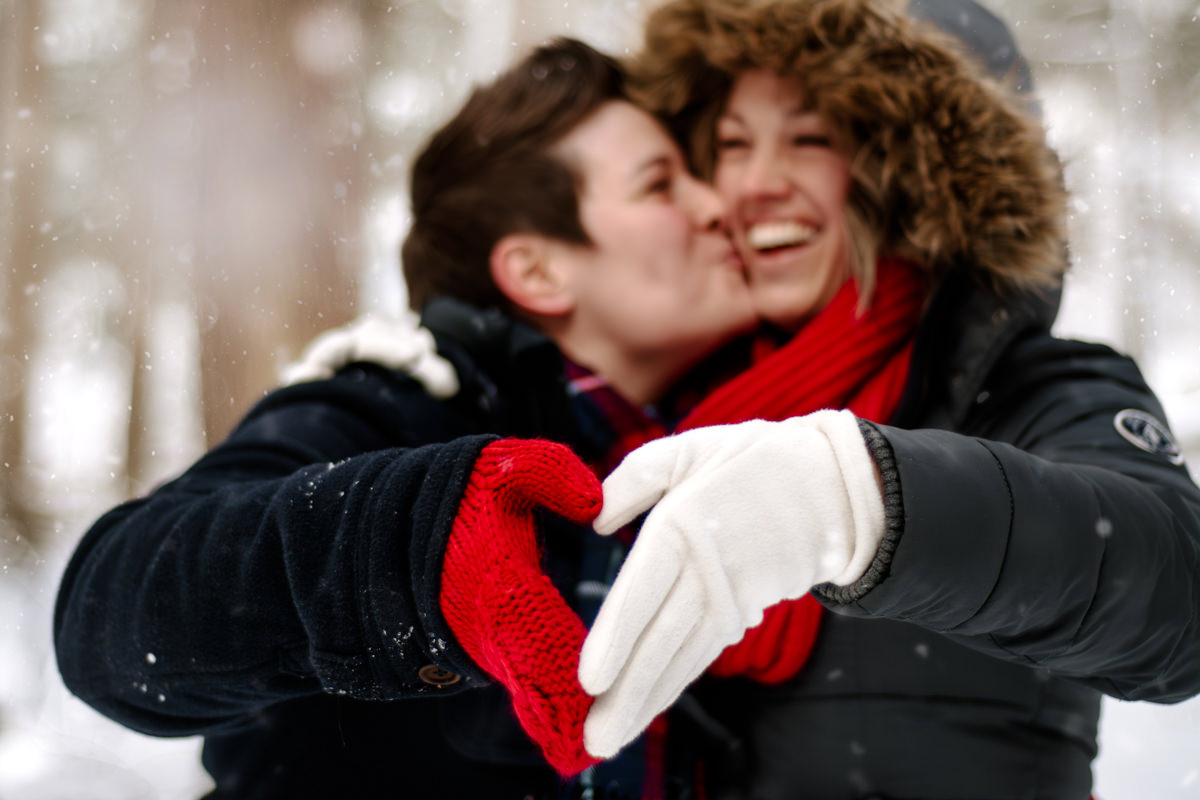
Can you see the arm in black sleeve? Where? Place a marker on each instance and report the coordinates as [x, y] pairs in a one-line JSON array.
[[1052, 542], [302, 555]]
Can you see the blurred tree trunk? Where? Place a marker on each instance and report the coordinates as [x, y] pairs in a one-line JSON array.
[[278, 221], [165, 180], [20, 197]]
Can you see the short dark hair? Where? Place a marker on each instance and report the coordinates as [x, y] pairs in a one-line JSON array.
[[489, 172]]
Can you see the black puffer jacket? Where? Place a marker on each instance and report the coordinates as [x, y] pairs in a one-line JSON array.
[[280, 597], [1037, 557]]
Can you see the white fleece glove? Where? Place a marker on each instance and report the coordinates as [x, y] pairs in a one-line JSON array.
[[743, 516], [400, 344]]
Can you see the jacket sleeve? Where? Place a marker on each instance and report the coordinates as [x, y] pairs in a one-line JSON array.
[[1049, 539], [302, 555]]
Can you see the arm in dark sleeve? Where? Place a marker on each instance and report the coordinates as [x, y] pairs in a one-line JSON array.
[[1064, 546], [302, 555]]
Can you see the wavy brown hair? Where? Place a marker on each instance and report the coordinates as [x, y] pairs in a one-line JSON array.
[[948, 168]]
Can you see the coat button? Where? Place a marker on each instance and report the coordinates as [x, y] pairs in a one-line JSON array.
[[436, 676]]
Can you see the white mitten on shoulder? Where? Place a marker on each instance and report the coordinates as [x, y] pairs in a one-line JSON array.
[[741, 517], [400, 344]]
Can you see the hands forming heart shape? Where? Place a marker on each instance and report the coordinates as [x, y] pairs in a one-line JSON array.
[[694, 583]]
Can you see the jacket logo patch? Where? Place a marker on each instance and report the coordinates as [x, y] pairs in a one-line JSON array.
[[1147, 433]]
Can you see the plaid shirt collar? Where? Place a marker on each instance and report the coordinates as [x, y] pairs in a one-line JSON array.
[[610, 425]]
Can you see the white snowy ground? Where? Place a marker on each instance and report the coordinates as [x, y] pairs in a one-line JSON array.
[[53, 747]]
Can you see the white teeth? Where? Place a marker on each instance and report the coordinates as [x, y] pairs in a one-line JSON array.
[[767, 235]]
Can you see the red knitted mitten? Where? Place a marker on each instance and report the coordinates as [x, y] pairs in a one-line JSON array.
[[501, 605], [776, 648]]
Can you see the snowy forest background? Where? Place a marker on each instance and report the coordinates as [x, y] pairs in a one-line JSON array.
[[189, 191]]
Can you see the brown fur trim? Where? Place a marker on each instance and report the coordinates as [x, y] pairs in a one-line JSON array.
[[948, 168]]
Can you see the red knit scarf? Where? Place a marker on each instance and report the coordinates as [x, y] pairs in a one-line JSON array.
[[839, 359]]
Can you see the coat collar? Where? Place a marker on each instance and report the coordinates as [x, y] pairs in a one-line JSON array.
[[510, 372], [489, 334], [959, 340]]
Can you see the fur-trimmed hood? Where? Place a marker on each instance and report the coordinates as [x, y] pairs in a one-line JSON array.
[[949, 168]]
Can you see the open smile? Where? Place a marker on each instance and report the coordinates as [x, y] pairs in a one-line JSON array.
[[778, 234]]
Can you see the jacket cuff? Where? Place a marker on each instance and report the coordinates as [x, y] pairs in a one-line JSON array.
[[893, 522], [434, 515]]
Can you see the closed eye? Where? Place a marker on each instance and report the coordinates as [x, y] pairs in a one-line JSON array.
[[660, 186], [812, 140], [732, 143]]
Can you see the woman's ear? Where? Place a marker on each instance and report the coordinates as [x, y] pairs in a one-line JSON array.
[[527, 271]]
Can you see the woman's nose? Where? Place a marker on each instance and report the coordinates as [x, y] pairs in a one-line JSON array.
[[707, 207], [764, 175]]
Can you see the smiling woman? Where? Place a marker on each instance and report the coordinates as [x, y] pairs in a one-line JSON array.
[[220, 170], [776, 156], [866, 156]]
